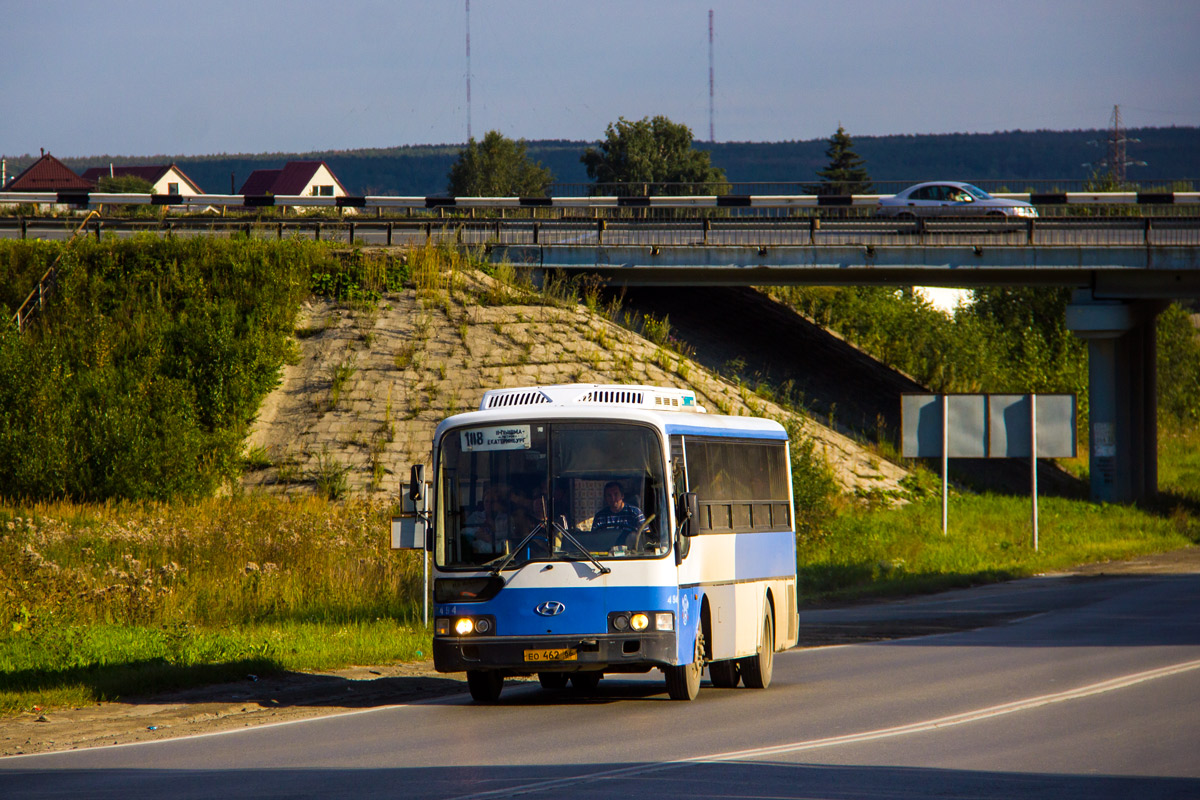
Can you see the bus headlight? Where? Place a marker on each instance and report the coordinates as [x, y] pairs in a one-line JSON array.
[[640, 621], [464, 625]]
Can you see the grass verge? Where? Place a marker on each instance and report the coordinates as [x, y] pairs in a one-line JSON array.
[[79, 665], [896, 551]]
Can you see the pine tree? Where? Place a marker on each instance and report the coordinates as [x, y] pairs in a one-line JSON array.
[[846, 173]]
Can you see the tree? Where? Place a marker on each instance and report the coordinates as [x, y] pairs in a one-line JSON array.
[[846, 173], [497, 167], [125, 184], [649, 152]]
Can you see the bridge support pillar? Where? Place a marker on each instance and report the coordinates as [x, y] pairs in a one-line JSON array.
[[1123, 396]]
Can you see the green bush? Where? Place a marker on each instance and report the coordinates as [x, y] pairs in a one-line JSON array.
[[1178, 366], [140, 378], [814, 487]]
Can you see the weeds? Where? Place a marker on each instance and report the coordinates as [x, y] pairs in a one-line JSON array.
[[329, 476], [404, 356], [339, 375]]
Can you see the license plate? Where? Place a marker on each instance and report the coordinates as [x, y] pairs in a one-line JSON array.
[[553, 654]]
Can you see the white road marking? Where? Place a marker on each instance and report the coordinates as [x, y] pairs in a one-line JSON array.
[[853, 738]]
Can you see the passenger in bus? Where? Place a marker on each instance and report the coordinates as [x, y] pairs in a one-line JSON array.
[[490, 526], [615, 524]]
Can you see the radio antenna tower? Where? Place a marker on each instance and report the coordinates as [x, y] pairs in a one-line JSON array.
[[468, 70], [712, 138]]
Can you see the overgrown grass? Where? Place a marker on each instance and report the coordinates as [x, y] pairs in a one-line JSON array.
[[104, 598]]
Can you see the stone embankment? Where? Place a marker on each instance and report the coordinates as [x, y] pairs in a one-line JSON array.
[[370, 381]]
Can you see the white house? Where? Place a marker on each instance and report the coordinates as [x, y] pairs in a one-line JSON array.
[[303, 178], [167, 179]]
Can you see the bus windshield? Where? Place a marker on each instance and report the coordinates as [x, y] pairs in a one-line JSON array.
[[583, 490]]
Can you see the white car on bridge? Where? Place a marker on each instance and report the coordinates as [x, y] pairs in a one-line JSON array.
[[951, 199]]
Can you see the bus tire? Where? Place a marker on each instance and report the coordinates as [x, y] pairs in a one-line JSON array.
[[585, 681], [757, 669], [485, 685], [724, 674], [683, 682], [553, 680]]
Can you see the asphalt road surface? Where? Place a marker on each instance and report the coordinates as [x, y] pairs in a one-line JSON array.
[[1073, 687]]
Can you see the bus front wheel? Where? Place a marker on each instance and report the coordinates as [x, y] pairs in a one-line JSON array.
[[683, 682], [757, 669], [485, 685]]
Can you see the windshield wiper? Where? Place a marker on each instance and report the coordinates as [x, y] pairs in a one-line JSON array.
[[528, 538], [567, 535], [539, 528]]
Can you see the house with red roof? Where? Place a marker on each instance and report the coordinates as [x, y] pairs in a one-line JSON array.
[[297, 178], [168, 179], [48, 174]]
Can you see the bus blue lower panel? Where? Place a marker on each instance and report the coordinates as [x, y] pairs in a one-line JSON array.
[[582, 610], [575, 619]]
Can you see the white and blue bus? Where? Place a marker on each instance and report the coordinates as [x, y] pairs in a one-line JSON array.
[[586, 529]]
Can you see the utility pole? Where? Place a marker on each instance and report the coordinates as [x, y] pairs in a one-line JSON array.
[[712, 138], [468, 70]]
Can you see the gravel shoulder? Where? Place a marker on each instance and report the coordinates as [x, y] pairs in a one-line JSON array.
[[294, 696]]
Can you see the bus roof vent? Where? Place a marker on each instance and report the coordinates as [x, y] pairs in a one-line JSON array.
[[509, 398], [658, 398], [609, 397], [654, 398]]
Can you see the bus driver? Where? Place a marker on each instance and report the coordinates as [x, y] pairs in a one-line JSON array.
[[617, 519]]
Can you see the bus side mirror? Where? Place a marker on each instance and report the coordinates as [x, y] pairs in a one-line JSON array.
[[416, 483], [689, 512], [410, 530]]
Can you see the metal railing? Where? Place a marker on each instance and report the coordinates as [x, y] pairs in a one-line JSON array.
[[37, 298], [1150, 231]]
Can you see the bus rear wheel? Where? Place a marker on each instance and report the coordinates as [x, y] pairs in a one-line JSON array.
[[683, 682], [758, 668], [485, 685]]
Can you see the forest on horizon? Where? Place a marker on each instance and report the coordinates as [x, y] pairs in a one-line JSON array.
[[1014, 158]]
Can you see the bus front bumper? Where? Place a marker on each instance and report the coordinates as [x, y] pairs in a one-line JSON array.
[[513, 654]]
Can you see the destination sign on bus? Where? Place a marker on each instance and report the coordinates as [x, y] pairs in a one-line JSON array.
[[509, 437]]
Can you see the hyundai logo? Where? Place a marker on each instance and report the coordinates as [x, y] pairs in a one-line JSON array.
[[550, 608]]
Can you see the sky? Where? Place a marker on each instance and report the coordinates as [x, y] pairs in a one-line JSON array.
[[133, 77]]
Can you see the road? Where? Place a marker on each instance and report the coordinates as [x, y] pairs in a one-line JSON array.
[[1073, 687]]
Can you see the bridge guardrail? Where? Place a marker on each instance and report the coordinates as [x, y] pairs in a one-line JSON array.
[[750, 232]]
